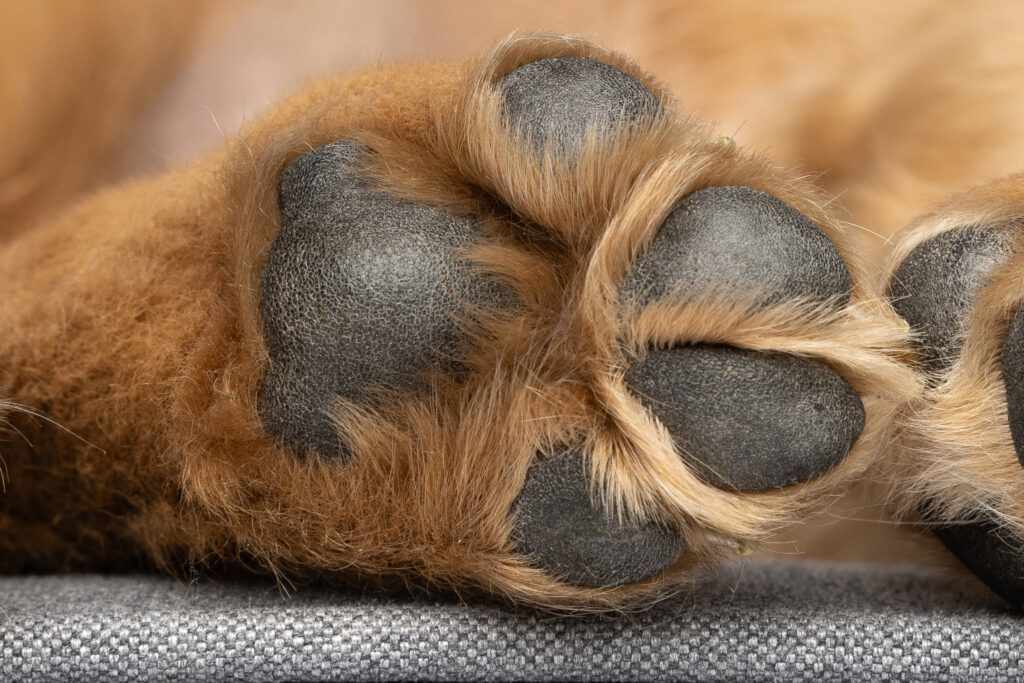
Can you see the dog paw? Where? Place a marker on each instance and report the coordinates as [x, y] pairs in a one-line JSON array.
[[958, 280], [571, 326], [515, 325]]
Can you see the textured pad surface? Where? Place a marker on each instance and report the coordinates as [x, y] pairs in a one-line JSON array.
[[570, 538], [935, 287], [995, 557], [360, 291], [1013, 378], [738, 241], [757, 621], [749, 420], [558, 100]]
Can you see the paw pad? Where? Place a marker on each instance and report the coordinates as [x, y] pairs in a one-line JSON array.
[[359, 293], [560, 100], [561, 530], [748, 420], [363, 295], [739, 240], [935, 287]]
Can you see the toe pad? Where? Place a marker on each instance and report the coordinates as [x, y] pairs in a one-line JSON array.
[[742, 240], [562, 531], [994, 556], [748, 420], [560, 99], [935, 287]]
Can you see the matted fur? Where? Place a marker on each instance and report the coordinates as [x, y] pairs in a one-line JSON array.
[[955, 453], [143, 335]]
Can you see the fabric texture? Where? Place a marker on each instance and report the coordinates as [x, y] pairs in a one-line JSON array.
[[754, 621]]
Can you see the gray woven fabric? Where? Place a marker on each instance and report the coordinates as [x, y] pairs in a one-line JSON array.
[[760, 621]]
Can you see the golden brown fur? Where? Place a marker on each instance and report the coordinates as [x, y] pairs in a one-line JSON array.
[[132, 318]]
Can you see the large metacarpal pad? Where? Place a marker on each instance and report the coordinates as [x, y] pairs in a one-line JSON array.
[[361, 292]]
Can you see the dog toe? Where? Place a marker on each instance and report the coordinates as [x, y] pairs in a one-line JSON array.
[[559, 527], [560, 100], [739, 240], [748, 420], [935, 287]]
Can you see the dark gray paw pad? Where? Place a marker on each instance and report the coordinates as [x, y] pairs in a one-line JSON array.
[[935, 288], [560, 99], [739, 241], [562, 531], [992, 553], [359, 292], [1013, 378], [749, 420]]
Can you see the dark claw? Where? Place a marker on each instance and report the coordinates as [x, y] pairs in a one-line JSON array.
[[560, 99], [738, 241], [749, 420], [559, 527], [359, 292]]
